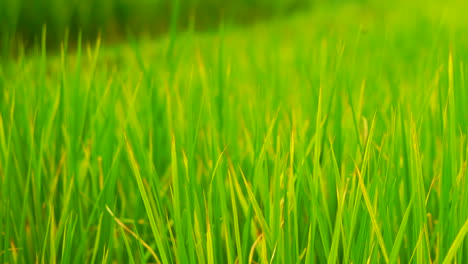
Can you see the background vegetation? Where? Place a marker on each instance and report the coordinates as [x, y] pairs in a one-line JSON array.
[[335, 135], [22, 20]]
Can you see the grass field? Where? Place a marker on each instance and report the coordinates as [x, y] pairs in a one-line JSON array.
[[338, 135]]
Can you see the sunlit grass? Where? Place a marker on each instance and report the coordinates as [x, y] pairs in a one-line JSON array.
[[334, 136]]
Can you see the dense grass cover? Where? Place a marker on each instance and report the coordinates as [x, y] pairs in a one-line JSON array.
[[335, 136]]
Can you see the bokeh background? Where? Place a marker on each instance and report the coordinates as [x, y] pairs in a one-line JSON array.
[[22, 21]]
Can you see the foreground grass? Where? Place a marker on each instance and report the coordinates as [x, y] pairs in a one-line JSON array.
[[339, 136]]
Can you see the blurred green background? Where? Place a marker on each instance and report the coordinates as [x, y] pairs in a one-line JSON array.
[[23, 20]]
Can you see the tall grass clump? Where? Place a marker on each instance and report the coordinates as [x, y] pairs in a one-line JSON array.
[[335, 136]]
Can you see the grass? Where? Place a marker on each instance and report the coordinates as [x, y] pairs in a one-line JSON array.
[[337, 135]]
